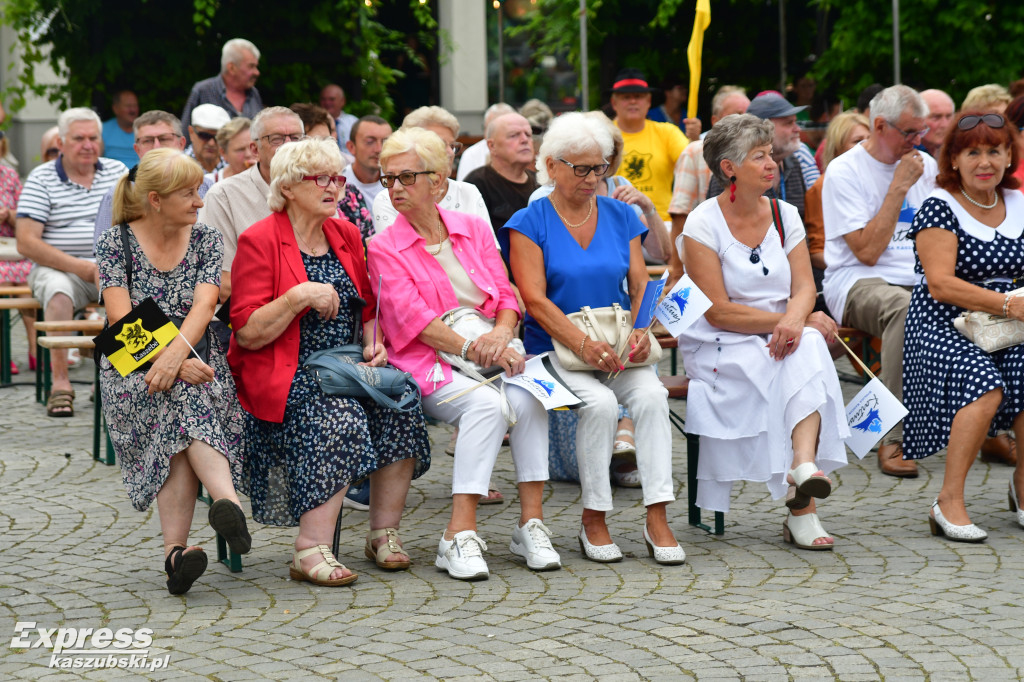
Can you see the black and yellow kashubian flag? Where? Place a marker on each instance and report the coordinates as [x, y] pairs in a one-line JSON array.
[[136, 337]]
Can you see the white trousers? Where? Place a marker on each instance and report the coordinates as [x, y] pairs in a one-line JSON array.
[[482, 428], [646, 399]]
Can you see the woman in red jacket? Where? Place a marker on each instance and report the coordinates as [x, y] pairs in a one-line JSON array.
[[296, 274]]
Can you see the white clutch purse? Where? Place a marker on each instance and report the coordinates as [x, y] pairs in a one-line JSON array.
[[991, 332]]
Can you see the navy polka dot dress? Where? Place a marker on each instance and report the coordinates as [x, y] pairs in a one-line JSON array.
[[942, 370]]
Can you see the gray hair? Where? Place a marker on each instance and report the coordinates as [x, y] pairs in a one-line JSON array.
[[296, 159], [496, 110], [426, 116], [149, 118], [732, 138], [256, 129], [572, 133], [889, 104], [492, 127], [233, 52], [74, 115], [724, 93]]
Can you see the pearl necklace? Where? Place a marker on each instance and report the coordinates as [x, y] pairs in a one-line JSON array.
[[978, 203], [590, 211]]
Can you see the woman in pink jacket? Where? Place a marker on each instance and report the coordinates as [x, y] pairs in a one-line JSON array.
[[433, 261]]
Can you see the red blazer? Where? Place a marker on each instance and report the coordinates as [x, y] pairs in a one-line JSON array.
[[266, 265]]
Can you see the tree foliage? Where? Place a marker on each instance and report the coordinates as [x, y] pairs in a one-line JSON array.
[[953, 45], [159, 48]]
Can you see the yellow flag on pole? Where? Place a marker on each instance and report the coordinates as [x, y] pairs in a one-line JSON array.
[[694, 50]]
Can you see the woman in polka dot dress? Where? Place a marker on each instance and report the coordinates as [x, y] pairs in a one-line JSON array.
[[970, 252]]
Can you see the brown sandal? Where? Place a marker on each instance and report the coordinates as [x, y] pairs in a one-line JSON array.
[[61, 403]]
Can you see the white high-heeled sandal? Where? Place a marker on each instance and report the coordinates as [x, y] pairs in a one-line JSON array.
[[808, 482], [669, 556], [603, 554], [940, 526], [803, 530]]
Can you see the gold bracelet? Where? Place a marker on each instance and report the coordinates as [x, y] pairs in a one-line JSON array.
[[289, 304], [1006, 305], [579, 353]]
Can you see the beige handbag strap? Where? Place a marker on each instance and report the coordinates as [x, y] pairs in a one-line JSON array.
[[594, 330]]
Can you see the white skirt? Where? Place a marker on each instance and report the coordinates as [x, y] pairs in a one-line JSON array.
[[744, 405]]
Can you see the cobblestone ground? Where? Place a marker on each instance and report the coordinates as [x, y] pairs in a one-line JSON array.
[[891, 602]]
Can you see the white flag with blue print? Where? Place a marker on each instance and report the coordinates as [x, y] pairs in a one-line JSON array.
[[872, 414], [683, 306]]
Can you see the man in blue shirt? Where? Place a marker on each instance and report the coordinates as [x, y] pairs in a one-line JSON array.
[[118, 137]]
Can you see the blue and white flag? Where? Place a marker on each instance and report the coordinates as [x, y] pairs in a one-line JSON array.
[[872, 414], [644, 317], [543, 383], [683, 305]]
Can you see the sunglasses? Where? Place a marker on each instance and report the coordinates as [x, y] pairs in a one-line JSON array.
[[971, 121], [205, 136]]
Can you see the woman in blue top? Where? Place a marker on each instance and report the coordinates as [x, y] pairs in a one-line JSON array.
[[574, 249]]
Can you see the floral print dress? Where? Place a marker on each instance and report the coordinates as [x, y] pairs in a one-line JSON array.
[[147, 430], [11, 271], [325, 441]]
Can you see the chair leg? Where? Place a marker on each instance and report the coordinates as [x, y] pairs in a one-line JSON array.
[[692, 460], [5, 347]]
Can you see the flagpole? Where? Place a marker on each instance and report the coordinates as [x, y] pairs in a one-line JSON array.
[[470, 389], [854, 356]]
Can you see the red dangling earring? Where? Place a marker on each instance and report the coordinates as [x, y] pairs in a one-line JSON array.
[[732, 189]]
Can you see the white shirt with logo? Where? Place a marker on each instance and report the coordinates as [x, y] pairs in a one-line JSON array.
[[855, 187]]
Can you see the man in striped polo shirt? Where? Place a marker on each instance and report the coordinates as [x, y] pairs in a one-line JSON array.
[[56, 215]]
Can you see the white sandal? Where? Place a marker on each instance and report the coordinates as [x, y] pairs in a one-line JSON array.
[[803, 530], [622, 447], [809, 481]]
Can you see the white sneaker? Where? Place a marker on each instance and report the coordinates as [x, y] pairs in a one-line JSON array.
[[532, 541], [462, 556]]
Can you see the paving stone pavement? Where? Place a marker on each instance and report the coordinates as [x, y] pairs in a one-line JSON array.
[[891, 602]]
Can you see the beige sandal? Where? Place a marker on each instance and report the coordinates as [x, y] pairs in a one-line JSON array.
[[386, 549], [320, 575]]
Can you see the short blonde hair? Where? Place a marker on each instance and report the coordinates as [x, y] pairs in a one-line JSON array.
[[990, 96], [426, 116], [839, 128], [429, 147], [161, 170], [293, 160], [228, 131]]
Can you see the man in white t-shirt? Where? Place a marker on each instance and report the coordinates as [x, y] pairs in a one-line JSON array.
[[869, 199], [365, 142]]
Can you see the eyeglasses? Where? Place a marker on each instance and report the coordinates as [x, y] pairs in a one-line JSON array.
[[406, 178], [165, 140], [278, 140], [583, 171], [324, 181], [205, 136], [456, 147], [909, 134], [971, 121]]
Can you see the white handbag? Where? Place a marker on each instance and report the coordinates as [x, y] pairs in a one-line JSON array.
[[991, 332], [471, 325], [610, 324]]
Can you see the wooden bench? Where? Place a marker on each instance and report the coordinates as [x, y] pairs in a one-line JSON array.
[[11, 298], [89, 328]]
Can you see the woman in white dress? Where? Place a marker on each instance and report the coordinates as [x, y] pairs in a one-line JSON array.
[[764, 396]]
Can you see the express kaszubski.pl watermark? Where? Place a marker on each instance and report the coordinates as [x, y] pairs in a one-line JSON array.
[[89, 648]]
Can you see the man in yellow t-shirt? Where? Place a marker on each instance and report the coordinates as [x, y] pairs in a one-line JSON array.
[[650, 148]]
